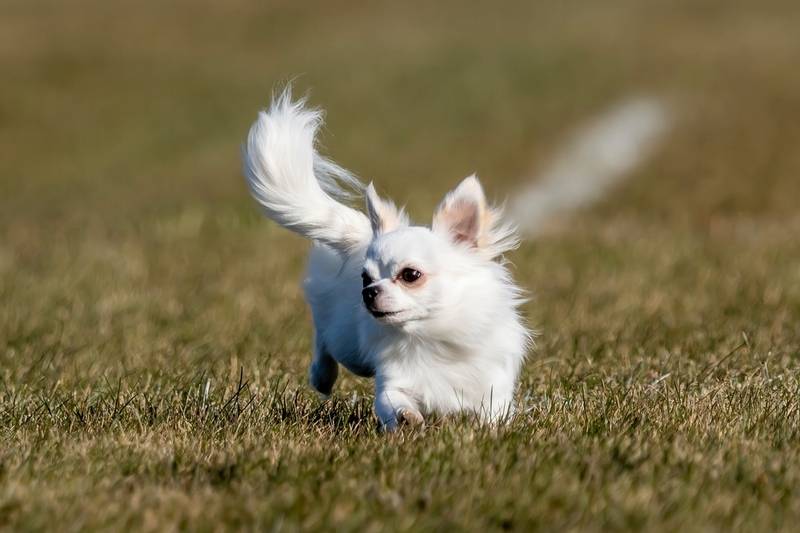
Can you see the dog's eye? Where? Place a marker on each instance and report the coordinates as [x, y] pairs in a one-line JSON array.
[[409, 275], [365, 279]]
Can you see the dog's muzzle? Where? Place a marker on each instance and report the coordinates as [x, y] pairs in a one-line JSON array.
[[369, 294]]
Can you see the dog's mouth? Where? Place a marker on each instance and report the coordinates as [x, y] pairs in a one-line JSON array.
[[382, 314], [402, 316]]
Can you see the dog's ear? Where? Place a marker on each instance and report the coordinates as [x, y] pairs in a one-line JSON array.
[[383, 215], [463, 214]]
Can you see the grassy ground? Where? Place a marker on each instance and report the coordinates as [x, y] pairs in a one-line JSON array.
[[153, 338]]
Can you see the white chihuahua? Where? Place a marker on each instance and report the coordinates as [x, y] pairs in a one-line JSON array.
[[432, 313]]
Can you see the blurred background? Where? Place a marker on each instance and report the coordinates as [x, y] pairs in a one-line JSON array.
[[125, 226], [139, 283]]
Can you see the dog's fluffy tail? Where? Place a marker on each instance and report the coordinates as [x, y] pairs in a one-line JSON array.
[[295, 186]]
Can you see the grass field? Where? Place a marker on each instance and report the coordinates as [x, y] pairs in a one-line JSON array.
[[154, 339]]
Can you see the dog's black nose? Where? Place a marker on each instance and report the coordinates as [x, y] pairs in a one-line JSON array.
[[369, 295]]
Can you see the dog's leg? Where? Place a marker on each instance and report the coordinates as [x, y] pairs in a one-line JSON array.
[[498, 402], [395, 407], [324, 370]]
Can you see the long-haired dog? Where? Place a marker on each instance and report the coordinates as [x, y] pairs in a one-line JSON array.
[[430, 312]]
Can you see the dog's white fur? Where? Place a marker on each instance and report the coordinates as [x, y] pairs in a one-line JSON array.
[[452, 340]]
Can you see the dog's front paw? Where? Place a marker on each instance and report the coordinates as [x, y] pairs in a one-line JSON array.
[[411, 417]]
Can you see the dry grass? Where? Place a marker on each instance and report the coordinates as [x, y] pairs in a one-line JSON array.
[[153, 338]]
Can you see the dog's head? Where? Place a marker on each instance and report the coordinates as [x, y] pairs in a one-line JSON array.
[[415, 273]]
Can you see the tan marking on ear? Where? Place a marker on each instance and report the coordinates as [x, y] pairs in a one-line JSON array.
[[487, 219], [383, 215], [463, 220], [390, 219], [463, 214]]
